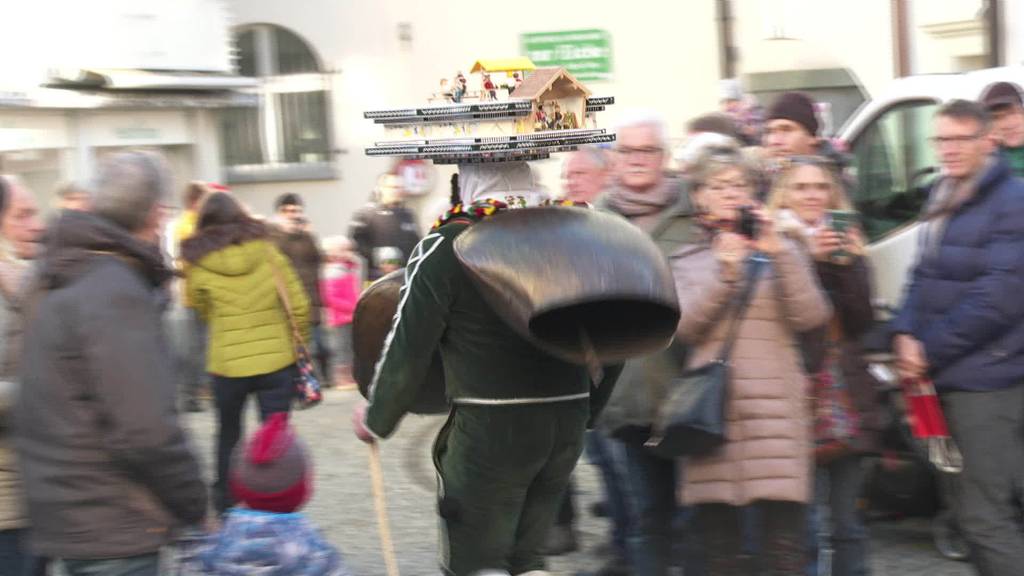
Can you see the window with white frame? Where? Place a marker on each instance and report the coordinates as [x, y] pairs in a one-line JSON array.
[[288, 136]]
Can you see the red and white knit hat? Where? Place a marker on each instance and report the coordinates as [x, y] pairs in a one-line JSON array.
[[272, 472]]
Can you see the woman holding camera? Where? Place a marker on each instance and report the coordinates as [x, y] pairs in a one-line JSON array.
[[766, 459], [810, 206]]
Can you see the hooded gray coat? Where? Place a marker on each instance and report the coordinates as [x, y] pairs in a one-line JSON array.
[[107, 469]]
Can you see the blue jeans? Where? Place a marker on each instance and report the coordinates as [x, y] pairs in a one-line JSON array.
[[146, 565], [321, 354], [274, 392], [837, 520], [193, 359], [14, 556], [649, 489], [599, 451]]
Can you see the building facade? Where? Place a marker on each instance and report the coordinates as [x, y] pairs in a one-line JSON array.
[[111, 76]]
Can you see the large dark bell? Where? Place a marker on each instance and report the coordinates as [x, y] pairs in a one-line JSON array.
[[569, 279], [371, 323]]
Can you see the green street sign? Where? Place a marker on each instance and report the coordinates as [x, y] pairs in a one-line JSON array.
[[586, 54]]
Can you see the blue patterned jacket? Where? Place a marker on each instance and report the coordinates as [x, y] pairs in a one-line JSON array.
[[254, 543]]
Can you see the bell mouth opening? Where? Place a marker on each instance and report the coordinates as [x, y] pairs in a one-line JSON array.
[[616, 329]]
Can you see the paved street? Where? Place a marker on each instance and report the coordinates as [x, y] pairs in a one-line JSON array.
[[343, 507]]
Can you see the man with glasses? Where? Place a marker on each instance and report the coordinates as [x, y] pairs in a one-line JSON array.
[[657, 203], [962, 326]]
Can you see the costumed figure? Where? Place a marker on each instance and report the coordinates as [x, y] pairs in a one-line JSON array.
[[515, 430]]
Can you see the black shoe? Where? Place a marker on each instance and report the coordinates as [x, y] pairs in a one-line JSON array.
[[560, 540]]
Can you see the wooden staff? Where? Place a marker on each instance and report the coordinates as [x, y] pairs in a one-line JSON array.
[[387, 546]]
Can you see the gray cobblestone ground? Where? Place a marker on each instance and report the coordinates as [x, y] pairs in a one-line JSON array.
[[343, 508]]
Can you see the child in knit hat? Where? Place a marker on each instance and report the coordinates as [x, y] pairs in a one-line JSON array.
[[272, 478]]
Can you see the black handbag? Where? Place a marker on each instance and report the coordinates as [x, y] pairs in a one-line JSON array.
[[691, 420]]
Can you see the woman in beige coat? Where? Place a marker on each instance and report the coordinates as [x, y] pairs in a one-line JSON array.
[[766, 461]]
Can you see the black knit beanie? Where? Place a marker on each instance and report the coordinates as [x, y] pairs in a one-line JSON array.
[[796, 107]]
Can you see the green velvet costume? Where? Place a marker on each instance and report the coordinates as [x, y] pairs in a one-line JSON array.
[[518, 414]]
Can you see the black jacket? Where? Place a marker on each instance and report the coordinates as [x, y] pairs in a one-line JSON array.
[[303, 252], [379, 226], [107, 469]]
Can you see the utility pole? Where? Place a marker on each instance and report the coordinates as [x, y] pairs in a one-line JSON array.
[[726, 52], [994, 25], [900, 39]]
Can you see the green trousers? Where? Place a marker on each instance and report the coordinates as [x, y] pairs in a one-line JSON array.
[[502, 471]]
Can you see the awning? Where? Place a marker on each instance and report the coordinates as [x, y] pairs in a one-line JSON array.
[[129, 79], [503, 65], [63, 99], [135, 89]]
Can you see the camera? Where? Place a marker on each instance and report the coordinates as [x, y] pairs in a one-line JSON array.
[[747, 223]]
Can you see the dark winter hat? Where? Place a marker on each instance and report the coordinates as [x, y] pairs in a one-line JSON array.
[[272, 472], [796, 107], [1001, 94], [289, 199]]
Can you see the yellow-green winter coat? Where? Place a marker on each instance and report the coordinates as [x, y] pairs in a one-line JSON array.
[[233, 289]]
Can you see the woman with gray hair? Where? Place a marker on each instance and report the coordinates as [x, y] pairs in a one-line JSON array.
[[765, 462]]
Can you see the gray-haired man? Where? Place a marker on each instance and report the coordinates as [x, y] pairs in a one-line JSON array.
[[107, 470], [641, 486]]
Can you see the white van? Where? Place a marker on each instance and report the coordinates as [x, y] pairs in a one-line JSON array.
[[894, 164]]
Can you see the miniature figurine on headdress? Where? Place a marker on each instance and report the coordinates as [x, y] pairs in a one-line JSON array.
[[444, 92], [459, 88], [489, 88]]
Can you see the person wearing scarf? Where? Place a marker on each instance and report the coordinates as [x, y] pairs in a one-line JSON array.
[[962, 327], [639, 485], [800, 201]]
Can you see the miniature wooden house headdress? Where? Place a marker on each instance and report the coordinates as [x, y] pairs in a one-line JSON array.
[[527, 115]]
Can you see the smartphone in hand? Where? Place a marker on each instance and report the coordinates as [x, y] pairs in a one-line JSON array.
[[840, 221]]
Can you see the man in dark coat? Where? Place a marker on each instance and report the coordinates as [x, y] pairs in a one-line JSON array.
[[302, 248], [107, 469], [962, 326], [385, 223], [640, 486]]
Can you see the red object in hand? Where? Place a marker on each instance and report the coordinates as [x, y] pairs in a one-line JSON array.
[[926, 417]]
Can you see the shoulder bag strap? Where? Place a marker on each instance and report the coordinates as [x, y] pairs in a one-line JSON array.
[[282, 295], [755, 265]]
